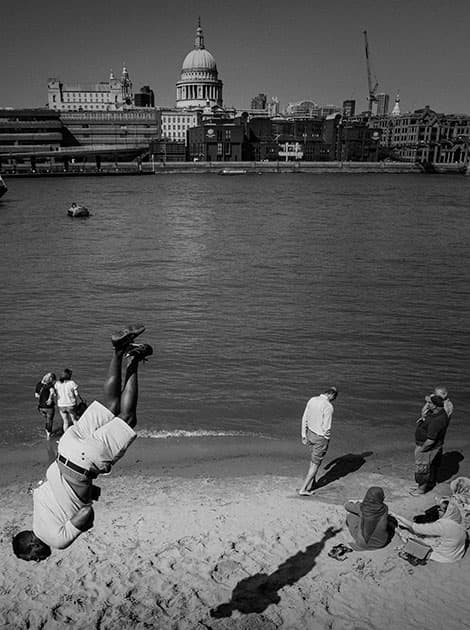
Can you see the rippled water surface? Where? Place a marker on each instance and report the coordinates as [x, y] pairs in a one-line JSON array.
[[257, 292]]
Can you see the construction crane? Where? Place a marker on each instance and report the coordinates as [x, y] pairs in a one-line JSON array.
[[371, 83]]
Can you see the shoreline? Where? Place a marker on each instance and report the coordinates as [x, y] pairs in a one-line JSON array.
[[88, 169]]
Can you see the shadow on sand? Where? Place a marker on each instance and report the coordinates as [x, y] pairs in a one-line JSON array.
[[342, 466], [449, 465], [254, 594]]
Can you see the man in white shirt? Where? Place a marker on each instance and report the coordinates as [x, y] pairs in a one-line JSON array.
[[62, 504], [316, 433]]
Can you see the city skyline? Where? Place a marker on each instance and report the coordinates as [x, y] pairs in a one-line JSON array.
[[298, 51]]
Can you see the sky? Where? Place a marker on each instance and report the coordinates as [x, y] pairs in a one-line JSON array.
[[294, 49]]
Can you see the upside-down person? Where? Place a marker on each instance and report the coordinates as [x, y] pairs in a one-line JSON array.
[[62, 504]]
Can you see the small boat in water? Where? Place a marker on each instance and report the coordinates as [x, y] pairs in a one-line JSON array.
[[233, 171], [3, 187], [78, 211]]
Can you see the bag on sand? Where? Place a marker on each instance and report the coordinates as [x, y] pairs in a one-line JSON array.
[[415, 552]]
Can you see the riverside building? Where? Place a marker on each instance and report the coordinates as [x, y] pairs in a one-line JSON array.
[[111, 95], [425, 136]]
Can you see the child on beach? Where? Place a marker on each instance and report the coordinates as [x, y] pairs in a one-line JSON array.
[[62, 505], [67, 398]]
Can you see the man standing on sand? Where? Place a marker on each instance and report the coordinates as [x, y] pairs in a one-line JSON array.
[[429, 437], [62, 505], [316, 432]]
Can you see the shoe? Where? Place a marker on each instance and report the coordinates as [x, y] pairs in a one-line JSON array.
[[123, 338], [140, 351], [415, 492], [339, 552]]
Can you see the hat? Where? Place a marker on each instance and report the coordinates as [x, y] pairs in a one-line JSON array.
[[437, 401]]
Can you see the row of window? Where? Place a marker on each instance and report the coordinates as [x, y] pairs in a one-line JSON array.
[[182, 119]]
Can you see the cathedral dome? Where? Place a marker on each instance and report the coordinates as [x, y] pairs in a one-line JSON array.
[[199, 59], [199, 84]]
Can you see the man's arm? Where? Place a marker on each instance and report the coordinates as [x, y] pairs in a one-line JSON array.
[[303, 429], [326, 421], [427, 446], [83, 519]]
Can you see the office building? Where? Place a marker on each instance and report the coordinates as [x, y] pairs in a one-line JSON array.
[[259, 102], [349, 108], [382, 104]]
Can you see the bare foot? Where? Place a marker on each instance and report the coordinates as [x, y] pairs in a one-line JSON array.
[[306, 493]]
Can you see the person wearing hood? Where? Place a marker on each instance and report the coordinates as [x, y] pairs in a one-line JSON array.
[[449, 532], [368, 520]]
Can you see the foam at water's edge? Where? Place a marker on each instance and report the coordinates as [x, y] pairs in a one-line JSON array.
[[181, 433]]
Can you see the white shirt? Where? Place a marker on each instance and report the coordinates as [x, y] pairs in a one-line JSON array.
[[317, 416], [448, 407], [67, 393], [450, 546], [55, 503]]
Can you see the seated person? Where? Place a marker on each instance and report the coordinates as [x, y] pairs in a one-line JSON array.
[[450, 542], [368, 521], [62, 504]]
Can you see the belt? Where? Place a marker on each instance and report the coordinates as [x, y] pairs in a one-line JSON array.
[[72, 466]]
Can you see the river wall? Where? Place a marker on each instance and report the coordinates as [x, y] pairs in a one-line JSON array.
[[216, 168]]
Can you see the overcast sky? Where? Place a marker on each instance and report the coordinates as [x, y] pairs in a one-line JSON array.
[[294, 49]]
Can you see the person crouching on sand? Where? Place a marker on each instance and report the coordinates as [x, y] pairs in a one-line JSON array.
[[449, 530], [368, 520], [62, 505]]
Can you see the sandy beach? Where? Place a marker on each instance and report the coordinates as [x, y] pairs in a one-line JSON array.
[[210, 533]]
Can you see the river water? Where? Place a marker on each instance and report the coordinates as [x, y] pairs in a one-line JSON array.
[[257, 292]]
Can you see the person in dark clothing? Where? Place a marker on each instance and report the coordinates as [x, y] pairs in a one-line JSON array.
[[45, 393], [429, 437], [368, 520]]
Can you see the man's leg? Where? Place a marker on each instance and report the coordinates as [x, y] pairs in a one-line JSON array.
[[130, 393], [112, 384], [135, 353], [121, 341], [309, 482]]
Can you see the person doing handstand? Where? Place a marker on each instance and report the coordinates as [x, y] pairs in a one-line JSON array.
[[62, 504]]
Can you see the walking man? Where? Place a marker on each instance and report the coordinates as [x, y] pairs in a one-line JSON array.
[[62, 504], [316, 433], [429, 437]]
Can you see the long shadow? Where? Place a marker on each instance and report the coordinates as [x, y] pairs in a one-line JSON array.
[[342, 466], [254, 594], [449, 465]]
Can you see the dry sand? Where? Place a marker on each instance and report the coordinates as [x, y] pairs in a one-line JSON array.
[[211, 534]]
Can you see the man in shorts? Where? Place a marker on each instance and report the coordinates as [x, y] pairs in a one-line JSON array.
[[316, 433], [62, 504], [429, 437]]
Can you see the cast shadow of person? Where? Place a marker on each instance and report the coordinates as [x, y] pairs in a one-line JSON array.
[[448, 466], [254, 594], [342, 466]]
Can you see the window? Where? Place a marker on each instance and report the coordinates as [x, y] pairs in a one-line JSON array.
[[219, 148]]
